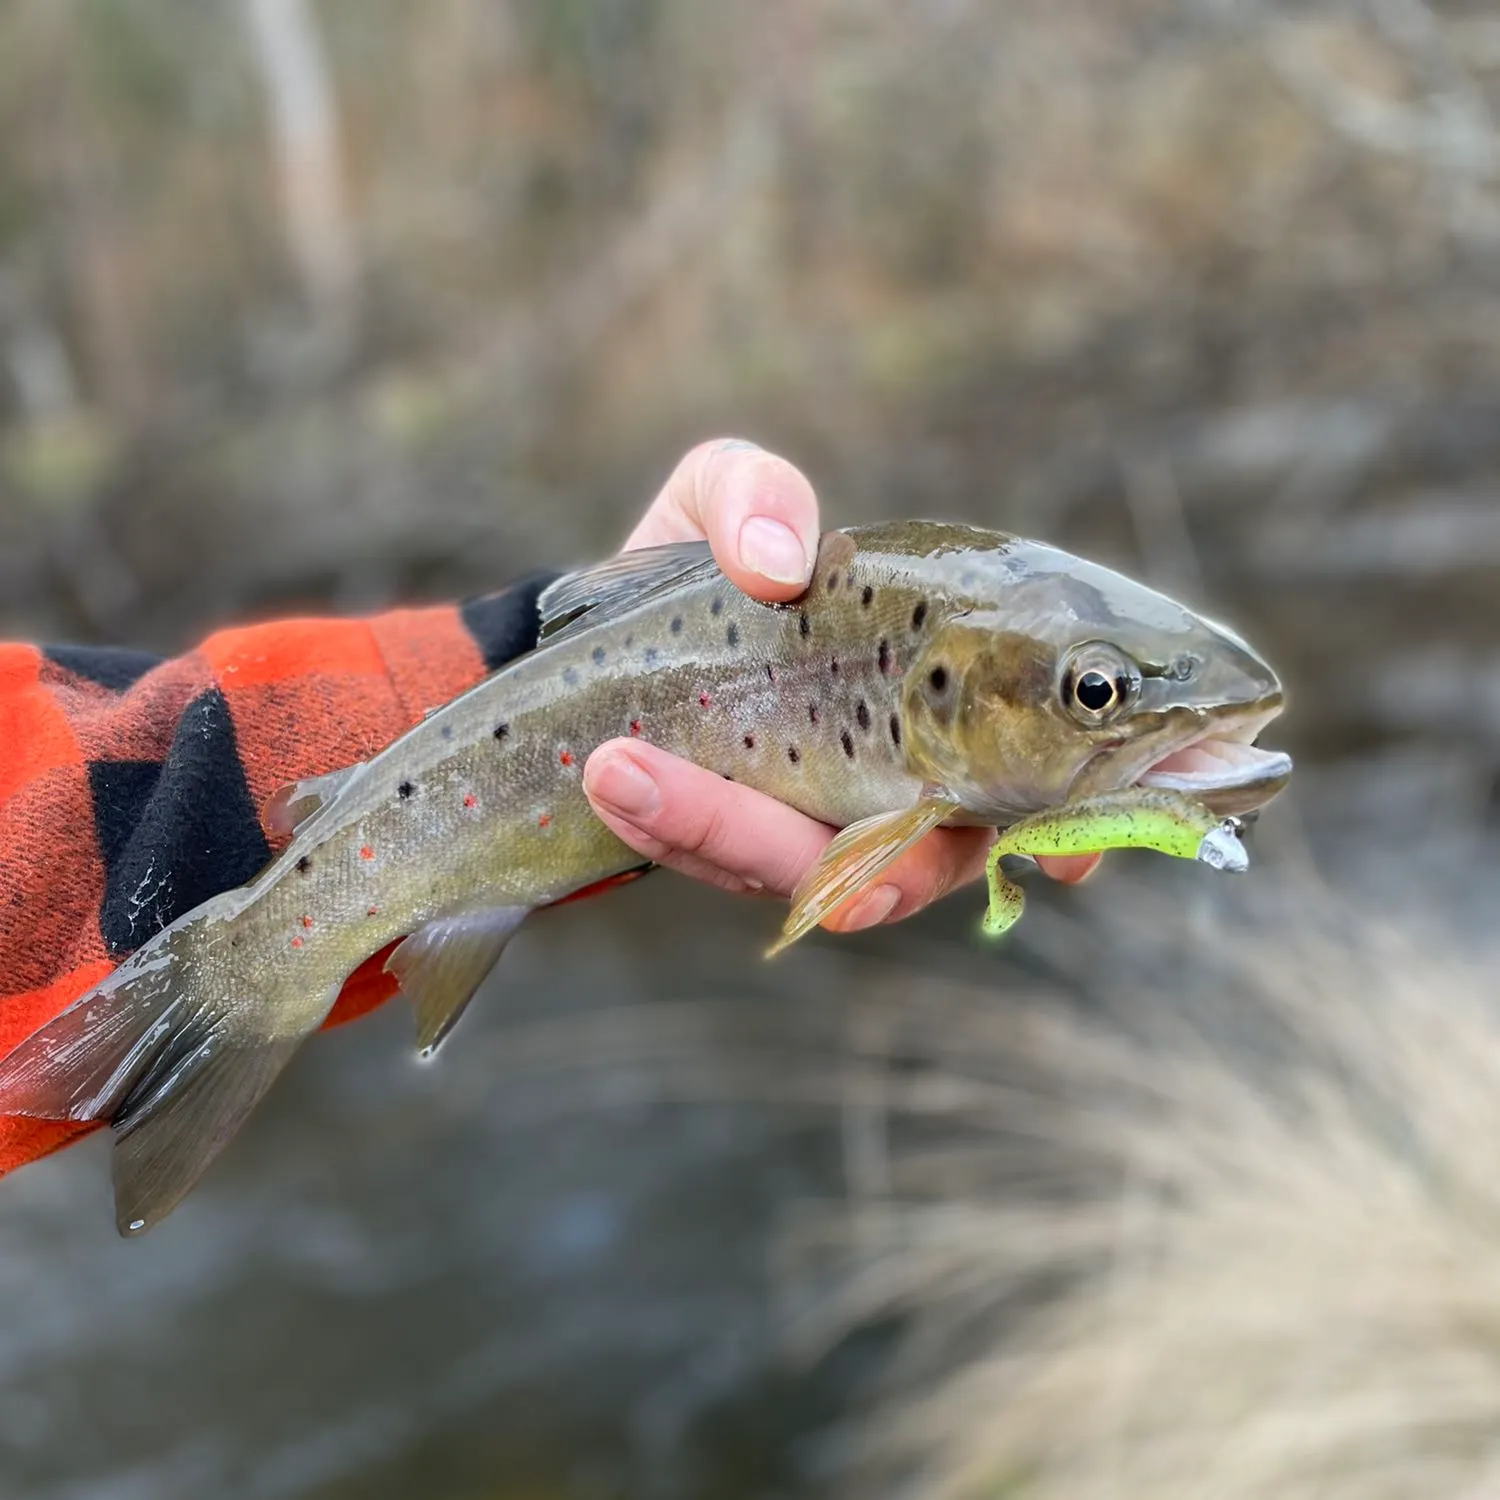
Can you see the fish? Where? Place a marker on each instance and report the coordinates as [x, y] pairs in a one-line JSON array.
[[930, 674]]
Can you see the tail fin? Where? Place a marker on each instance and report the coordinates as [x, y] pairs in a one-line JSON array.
[[161, 1064]]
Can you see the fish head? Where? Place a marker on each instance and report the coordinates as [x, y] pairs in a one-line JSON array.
[[1073, 680]]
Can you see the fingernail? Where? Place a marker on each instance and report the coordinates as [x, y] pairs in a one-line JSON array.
[[772, 549], [871, 908], [621, 785]]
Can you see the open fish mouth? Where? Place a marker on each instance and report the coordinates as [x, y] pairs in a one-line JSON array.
[[1223, 768]]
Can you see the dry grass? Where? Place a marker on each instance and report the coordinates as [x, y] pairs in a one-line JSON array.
[[1249, 1250]]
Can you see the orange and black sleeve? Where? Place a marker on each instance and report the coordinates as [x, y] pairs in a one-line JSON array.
[[133, 788]]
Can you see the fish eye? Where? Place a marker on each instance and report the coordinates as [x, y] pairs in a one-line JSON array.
[[1098, 683], [1095, 692]]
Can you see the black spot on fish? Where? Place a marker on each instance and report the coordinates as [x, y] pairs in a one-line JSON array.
[[918, 615], [867, 596], [805, 626], [812, 713], [717, 607], [630, 640], [501, 730], [793, 754], [732, 635], [895, 729], [833, 665], [862, 713], [847, 741], [570, 676], [599, 655], [304, 865], [833, 582], [749, 742], [770, 673], [883, 657], [651, 654], [677, 625], [405, 790], [938, 677], [447, 731]]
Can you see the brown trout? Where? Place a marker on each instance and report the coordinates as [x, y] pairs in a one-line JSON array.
[[930, 673]]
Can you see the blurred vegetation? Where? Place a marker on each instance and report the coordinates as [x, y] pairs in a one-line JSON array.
[[330, 303]]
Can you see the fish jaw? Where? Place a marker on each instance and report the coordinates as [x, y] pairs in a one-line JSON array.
[[1222, 767]]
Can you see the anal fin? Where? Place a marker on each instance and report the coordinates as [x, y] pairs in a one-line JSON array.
[[441, 965], [853, 860]]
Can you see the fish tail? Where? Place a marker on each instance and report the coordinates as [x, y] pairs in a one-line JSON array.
[[153, 1055]]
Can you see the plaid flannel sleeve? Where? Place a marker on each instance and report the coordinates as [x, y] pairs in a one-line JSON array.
[[134, 788]]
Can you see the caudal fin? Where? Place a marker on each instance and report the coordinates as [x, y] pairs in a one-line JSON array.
[[161, 1065]]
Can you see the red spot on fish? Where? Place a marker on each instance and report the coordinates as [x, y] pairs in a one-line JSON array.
[[704, 700], [296, 942], [374, 911], [470, 800], [566, 757], [635, 726], [307, 921], [544, 820], [367, 852]]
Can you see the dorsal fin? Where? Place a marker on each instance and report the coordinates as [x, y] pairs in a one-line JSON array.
[[594, 595]]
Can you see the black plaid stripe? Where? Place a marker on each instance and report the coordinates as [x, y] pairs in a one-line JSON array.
[[112, 667], [175, 834], [505, 626]]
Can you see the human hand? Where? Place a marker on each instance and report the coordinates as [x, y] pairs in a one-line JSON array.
[[760, 516]]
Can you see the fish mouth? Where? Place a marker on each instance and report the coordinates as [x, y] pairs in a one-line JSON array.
[[1223, 767]]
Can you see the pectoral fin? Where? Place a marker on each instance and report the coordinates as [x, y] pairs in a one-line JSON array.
[[441, 965], [853, 861]]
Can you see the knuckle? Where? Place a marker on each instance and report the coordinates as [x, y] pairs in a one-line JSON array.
[[703, 835]]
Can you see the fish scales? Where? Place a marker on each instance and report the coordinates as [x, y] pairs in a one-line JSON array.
[[916, 681], [505, 811]]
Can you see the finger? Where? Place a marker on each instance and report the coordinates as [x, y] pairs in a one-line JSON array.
[[694, 821], [691, 820], [946, 859], [1071, 869], [758, 512]]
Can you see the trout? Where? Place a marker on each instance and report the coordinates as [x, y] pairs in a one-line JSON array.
[[930, 674]]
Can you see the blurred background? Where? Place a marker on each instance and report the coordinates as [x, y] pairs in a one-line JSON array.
[[1189, 1190]]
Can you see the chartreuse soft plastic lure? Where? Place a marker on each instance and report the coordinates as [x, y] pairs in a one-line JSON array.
[[1137, 818]]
